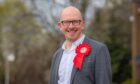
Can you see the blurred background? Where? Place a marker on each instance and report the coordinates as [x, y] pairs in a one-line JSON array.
[[29, 36]]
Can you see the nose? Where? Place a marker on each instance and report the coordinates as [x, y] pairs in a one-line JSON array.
[[71, 25]]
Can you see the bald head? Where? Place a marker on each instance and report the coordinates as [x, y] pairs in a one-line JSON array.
[[70, 13]]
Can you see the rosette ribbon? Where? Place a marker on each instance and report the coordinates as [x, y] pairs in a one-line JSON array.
[[82, 50]]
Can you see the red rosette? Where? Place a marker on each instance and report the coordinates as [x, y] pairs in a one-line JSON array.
[[82, 50]]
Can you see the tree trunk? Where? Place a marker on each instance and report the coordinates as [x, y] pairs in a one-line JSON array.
[[136, 44]]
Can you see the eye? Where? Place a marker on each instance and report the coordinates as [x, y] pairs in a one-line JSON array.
[[65, 23], [76, 22], [68, 22]]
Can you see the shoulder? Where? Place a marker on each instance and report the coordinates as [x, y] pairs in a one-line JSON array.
[[58, 51], [94, 43], [97, 47]]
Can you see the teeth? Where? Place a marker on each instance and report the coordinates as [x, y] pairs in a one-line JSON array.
[[74, 30]]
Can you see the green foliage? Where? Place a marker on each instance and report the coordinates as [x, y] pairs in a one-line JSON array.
[[129, 81], [121, 57], [120, 45]]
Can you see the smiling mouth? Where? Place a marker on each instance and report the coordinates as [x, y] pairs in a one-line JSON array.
[[73, 30]]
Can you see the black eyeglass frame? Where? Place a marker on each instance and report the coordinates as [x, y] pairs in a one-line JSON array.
[[68, 22]]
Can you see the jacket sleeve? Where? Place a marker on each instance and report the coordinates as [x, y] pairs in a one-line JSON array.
[[51, 69], [103, 73]]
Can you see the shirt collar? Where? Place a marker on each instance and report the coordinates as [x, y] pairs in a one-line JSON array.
[[75, 43]]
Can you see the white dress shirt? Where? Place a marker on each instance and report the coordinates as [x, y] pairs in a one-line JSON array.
[[66, 63]]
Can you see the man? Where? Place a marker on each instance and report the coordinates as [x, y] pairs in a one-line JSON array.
[[80, 60]]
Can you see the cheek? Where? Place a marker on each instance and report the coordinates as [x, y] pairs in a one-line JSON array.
[[60, 29], [80, 29], [63, 30]]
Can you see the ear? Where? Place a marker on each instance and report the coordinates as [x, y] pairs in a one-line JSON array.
[[59, 25], [83, 24]]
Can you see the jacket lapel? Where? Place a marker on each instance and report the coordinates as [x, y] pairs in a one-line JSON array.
[[74, 70]]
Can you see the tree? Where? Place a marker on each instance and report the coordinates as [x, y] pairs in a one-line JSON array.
[[20, 33]]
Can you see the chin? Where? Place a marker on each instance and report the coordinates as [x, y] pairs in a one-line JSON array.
[[72, 39]]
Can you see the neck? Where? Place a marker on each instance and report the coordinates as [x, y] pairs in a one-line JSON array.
[[68, 45]]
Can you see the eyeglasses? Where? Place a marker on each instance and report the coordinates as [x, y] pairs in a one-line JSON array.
[[74, 22]]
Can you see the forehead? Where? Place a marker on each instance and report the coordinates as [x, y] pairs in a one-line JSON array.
[[70, 14]]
